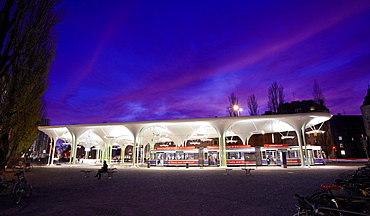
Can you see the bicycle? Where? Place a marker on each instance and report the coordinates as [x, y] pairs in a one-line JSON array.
[[21, 188], [21, 166], [349, 195], [308, 207], [4, 184]]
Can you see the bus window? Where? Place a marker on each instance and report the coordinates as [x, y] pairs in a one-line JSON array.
[[233, 155], [292, 154], [317, 154], [179, 156], [190, 156], [160, 156], [263, 154], [170, 156]]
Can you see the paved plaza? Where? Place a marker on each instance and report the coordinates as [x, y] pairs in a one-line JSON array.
[[63, 190]]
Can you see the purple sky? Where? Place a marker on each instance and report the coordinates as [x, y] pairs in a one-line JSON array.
[[128, 60]]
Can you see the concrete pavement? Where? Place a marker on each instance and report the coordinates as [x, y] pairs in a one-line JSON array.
[[63, 190]]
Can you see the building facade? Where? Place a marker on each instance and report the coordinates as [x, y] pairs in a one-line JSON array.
[[365, 109], [41, 145], [347, 133]]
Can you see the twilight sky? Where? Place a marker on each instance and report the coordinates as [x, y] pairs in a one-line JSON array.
[[125, 60]]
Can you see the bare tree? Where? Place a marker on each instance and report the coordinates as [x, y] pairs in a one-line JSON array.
[[252, 105], [275, 97], [233, 108], [318, 97], [27, 48]]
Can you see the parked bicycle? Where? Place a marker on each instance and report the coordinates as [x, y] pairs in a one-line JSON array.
[[5, 184], [17, 188], [22, 166], [349, 195], [21, 188], [308, 207]]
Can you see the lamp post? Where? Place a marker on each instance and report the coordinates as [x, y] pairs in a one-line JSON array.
[[237, 109]]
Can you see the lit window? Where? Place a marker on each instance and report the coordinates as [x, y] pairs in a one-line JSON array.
[[341, 145], [312, 108], [343, 152], [340, 138]]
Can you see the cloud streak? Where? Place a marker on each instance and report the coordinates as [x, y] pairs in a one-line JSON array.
[[174, 59]]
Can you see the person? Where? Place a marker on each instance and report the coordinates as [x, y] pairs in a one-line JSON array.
[[102, 170]]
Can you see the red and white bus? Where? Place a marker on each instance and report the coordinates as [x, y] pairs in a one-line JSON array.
[[236, 155]]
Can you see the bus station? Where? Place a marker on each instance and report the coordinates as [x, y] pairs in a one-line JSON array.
[[192, 142]]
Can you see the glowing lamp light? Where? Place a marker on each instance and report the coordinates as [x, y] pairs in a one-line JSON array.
[[287, 137], [236, 108], [315, 132]]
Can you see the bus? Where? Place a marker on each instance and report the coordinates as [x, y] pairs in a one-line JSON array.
[[236, 155]]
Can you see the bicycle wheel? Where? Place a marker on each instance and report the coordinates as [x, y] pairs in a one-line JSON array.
[[1, 187], [17, 193], [28, 189]]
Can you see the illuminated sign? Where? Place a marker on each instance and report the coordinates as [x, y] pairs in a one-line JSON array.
[[275, 145], [182, 162], [230, 146], [176, 148]]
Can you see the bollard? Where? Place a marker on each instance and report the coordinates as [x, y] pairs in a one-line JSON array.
[[148, 165], [187, 165]]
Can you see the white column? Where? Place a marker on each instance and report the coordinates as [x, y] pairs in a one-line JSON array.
[[307, 162], [53, 151], [72, 156]]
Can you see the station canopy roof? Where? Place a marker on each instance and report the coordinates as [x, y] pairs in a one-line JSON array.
[[178, 131]]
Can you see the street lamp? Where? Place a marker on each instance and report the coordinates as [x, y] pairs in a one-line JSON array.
[[237, 109]]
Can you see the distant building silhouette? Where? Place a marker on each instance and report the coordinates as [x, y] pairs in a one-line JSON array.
[[342, 137], [304, 106], [40, 147], [365, 109], [347, 131]]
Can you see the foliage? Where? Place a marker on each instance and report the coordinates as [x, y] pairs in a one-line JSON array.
[[317, 94], [27, 48], [252, 105], [275, 97]]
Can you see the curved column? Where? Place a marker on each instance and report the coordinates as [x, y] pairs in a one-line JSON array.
[[299, 133], [135, 129], [182, 131], [221, 126], [299, 125], [107, 156], [51, 155], [75, 133], [54, 136]]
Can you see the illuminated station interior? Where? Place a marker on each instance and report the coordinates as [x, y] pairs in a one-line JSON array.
[[219, 141]]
